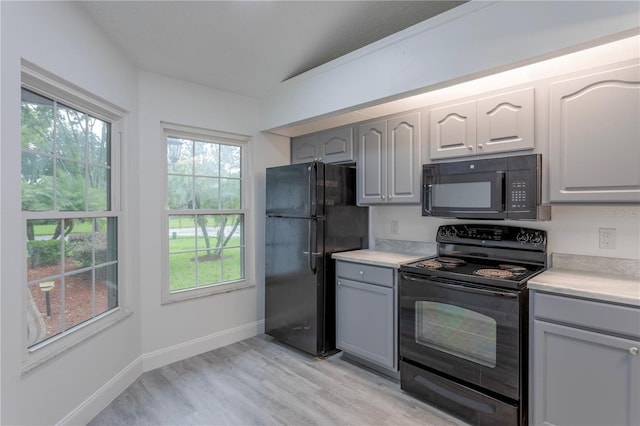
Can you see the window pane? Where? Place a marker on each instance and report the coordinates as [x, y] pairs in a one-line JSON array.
[[230, 193], [70, 186], [71, 133], [207, 193], [99, 141], [106, 293], [182, 271], [232, 264], [209, 270], [99, 188], [78, 298], [44, 249], [43, 310], [180, 190], [105, 239], [182, 233], [179, 156], [36, 115], [230, 161], [78, 244], [206, 157], [37, 182]]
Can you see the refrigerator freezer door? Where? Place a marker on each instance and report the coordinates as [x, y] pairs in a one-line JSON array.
[[295, 190], [294, 287]]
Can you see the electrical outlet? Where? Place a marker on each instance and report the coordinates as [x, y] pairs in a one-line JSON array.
[[607, 238], [395, 227]]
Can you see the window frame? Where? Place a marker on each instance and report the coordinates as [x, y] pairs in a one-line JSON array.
[[205, 135], [44, 83]]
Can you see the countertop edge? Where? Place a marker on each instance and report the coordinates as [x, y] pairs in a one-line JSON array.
[[376, 258]]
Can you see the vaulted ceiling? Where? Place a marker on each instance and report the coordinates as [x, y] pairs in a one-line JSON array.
[[249, 47]]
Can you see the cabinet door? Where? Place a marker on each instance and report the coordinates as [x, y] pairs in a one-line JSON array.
[[584, 378], [372, 163], [403, 159], [365, 321], [336, 145], [452, 130], [594, 137], [505, 122], [304, 149]]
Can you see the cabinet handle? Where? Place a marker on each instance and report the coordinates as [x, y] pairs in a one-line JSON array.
[[479, 146], [470, 148], [633, 350], [339, 282], [362, 273], [382, 197]]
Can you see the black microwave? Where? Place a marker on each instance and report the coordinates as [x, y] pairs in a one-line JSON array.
[[490, 188]]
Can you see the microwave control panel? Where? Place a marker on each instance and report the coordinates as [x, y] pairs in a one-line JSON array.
[[521, 191]]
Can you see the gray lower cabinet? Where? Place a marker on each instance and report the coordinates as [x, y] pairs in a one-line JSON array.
[[585, 366], [366, 313]]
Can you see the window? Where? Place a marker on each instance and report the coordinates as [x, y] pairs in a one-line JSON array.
[[206, 214], [70, 211]]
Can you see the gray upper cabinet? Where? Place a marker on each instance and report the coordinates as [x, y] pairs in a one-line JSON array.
[[331, 146], [585, 365], [594, 137], [490, 124], [389, 161]]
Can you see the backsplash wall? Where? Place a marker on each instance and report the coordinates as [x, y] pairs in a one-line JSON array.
[[573, 229]]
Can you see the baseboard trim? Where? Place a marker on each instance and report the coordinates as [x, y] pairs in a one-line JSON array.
[[194, 347], [90, 407]]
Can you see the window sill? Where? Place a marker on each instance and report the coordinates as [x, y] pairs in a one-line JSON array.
[[205, 291], [48, 350]]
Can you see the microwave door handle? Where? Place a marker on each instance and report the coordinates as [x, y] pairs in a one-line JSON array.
[[429, 195], [504, 191]]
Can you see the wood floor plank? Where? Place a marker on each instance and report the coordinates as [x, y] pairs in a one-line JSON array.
[[261, 382]]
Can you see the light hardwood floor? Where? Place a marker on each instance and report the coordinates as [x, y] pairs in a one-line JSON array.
[[261, 382]]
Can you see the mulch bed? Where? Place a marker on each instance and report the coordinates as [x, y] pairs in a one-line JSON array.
[[78, 299]]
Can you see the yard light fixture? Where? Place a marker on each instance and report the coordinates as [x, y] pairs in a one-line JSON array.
[[174, 146], [46, 287]]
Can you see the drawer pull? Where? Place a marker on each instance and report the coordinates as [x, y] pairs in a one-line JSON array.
[[633, 350]]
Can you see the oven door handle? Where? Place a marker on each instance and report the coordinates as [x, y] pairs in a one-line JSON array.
[[460, 286]]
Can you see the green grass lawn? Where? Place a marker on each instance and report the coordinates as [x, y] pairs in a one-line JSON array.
[[187, 272]]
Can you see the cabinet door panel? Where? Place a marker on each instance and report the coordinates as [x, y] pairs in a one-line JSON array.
[[594, 134], [365, 321], [505, 122], [453, 130], [336, 146], [582, 377], [404, 159], [304, 149], [372, 160]]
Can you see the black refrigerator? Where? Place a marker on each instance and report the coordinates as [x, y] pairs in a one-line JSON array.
[[311, 213]]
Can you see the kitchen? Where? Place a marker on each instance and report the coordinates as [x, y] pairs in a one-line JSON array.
[[151, 98]]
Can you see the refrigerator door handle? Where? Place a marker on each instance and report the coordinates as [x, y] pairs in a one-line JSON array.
[[313, 177], [312, 253]]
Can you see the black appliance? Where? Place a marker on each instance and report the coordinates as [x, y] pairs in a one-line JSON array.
[[490, 188], [464, 322], [311, 213]]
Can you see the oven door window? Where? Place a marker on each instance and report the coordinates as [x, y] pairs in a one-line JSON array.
[[457, 331]]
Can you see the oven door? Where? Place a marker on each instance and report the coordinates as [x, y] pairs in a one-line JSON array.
[[477, 195], [467, 332]]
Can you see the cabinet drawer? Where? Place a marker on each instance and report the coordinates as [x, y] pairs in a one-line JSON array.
[[586, 313], [367, 273]]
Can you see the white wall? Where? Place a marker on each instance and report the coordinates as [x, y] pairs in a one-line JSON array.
[[57, 37], [173, 331], [475, 39]]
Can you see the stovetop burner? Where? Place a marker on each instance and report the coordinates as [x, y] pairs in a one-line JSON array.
[[494, 255]]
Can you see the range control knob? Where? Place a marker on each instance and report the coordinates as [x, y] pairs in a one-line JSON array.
[[522, 237], [536, 238]]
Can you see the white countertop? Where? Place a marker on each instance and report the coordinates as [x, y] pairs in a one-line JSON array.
[[610, 288], [379, 258]]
